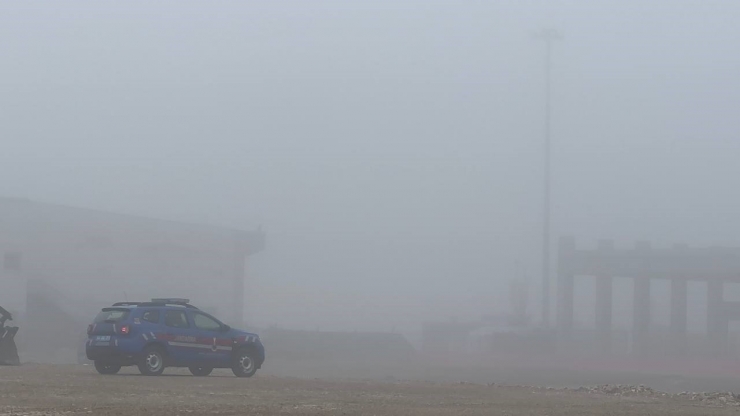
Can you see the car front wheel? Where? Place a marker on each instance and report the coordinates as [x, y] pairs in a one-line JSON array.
[[244, 363], [106, 368], [200, 371], [151, 362]]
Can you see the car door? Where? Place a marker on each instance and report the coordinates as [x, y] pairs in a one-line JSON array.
[[147, 322], [214, 343], [179, 335]]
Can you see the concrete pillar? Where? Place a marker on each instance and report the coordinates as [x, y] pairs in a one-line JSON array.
[[679, 308], [604, 299], [717, 325], [679, 301], [641, 314], [566, 250]]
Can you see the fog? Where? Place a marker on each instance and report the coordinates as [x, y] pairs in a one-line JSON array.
[[392, 150]]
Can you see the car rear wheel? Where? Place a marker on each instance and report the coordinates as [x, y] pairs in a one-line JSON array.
[[106, 368], [200, 371], [151, 362], [244, 363]]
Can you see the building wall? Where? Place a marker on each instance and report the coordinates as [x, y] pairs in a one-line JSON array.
[[13, 289], [93, 258], [12, 278]]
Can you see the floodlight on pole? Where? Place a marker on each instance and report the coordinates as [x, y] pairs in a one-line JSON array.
[[549, 36]]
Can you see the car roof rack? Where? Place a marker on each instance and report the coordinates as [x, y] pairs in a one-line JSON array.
[[160, 302], [168, 302], [173, 301]]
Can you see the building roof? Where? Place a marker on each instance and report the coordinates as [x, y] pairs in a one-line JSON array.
[[80, 219]]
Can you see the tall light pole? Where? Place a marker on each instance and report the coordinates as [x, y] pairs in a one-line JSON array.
[[548, 36]]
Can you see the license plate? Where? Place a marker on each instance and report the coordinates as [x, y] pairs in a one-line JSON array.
[[102, 338]]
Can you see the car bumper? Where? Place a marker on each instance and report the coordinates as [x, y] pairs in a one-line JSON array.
[[261, 358], [109, 354]]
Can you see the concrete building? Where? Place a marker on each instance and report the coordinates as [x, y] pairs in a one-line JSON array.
[[88, 258], [715, 268]]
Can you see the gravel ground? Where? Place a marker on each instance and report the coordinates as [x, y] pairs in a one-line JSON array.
[[35, 389]]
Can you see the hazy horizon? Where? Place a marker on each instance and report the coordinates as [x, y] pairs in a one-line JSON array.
[[392, 150]]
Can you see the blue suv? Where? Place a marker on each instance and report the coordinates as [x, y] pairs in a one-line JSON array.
[[169, 333]]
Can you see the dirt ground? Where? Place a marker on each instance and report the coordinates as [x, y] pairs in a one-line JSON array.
[[35, 389]]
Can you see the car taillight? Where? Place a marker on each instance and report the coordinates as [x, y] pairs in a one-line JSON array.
[[125, 329], [89, 329]]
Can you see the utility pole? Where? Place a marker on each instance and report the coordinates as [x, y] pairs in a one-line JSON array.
[[548, 36]]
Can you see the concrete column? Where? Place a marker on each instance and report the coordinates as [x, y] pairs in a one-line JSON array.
[[679, 307], [604, 299], [566, 250], [717, 327], [641, 314]]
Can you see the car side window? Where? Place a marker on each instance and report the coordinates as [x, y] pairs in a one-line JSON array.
[[205, 323], [151, 316], [176, 319]]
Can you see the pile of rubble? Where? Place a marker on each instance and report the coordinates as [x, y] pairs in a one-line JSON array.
[[622, 390], [714, 399], [711, 399]]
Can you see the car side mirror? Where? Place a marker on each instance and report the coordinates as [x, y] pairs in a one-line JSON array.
[[225, 328]]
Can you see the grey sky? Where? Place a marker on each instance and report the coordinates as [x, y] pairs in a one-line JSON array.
[[392, 149]]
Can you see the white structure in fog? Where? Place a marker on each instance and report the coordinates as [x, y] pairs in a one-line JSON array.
[[92, 257]]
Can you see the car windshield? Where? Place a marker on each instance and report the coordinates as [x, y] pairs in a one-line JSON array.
[[112, 315]]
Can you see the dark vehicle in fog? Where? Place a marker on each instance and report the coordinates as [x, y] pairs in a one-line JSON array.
[[169, 333]]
